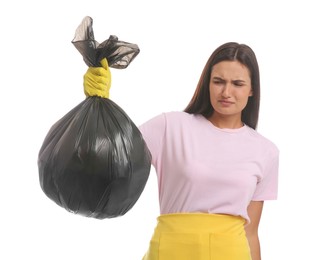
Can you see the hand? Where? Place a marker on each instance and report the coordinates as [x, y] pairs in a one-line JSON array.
[[97, 80]]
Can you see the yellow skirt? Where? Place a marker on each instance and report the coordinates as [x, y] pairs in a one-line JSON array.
[[198, 236]]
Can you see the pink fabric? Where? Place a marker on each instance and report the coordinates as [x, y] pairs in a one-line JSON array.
[[202, 168]]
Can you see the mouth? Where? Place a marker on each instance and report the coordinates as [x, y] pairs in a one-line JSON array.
[[225, 102]]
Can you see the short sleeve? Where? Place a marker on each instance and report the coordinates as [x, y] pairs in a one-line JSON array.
[[267, 187], [153, 134]]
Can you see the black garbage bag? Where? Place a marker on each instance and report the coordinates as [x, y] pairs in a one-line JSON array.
[[94, 161]]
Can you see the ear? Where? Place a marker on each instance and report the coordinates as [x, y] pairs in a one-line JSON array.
[[250, 93]]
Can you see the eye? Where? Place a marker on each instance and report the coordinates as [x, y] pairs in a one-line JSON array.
[[239, 83], [218, 82]]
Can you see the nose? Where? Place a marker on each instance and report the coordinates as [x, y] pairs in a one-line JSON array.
[[226, 91]]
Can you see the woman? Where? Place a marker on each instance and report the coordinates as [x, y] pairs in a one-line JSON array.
[[214, 169]]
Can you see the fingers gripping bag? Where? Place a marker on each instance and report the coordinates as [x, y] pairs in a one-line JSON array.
[[94, 161]]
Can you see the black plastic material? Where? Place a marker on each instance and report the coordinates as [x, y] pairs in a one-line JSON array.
[[118, 53], [94, 160]]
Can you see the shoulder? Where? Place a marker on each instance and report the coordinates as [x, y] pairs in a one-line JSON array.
[[181, 119], [174, 121], [176, 117], [264, 142], [166, 119]]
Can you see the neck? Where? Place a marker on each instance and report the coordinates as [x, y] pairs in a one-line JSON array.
[[231, 122]]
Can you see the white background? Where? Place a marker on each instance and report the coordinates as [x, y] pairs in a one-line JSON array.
[[41, 80]]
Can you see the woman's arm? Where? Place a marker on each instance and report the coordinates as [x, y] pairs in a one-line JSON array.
[[254, 212]]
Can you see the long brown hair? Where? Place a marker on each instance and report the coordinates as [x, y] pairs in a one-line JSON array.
[[200, 102]]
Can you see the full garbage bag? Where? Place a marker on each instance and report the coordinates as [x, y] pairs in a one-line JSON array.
[[94, 160]]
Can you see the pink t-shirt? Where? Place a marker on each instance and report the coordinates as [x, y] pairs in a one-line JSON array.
[[202, 168]]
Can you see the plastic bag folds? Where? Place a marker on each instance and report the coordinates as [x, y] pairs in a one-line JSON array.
[[118, 53], [94, 161]]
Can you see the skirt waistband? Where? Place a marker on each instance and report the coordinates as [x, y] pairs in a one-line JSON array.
[[201, 222]]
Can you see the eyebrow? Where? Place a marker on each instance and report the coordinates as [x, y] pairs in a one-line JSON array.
[[235, 80], [217, 78], [239, 80]]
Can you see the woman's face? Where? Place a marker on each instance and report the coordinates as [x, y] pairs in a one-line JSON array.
[[230, 87]]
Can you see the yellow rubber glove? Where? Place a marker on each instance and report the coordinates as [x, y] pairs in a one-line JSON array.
[[97, 80]]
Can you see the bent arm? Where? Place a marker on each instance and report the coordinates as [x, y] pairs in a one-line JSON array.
[[254, 209]]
